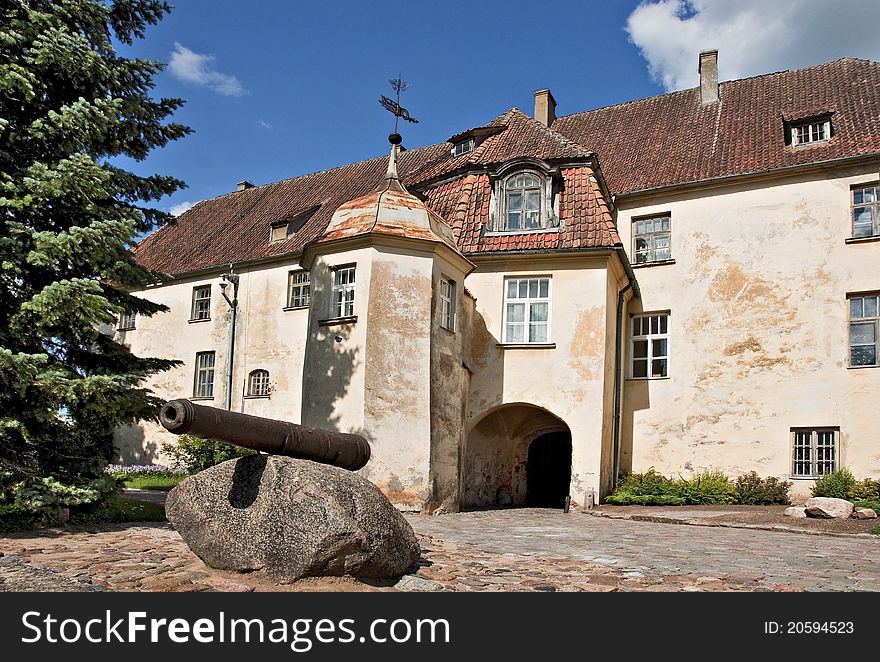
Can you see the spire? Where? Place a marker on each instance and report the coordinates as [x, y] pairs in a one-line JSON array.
[[395, 140]]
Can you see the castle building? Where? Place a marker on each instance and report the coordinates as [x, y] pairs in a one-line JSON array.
[[538, 305]]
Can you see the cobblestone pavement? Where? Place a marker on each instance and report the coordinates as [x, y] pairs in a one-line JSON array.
[[508, 550]]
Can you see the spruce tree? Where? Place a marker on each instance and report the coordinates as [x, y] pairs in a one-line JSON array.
[[70, 104]]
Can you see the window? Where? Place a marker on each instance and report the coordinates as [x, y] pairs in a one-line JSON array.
[[279, 231], [527, 310], [343, 291], [447, 303], [127, 321], [864, 329], [814, 451], [650, 346], [463, 147], [258, 383], [298, 289], [651, 239], [201, 304], [866, 211], [522, 202], [204, 377], [810, 132]]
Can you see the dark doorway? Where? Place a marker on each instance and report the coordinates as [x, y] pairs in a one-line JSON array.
[[548, 472]]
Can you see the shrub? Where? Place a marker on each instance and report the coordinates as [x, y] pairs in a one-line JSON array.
[[836, 484], [627, 499], [751, 489], [865, 490], [875, 530], [648, 483], [706, 488], [196, 454]]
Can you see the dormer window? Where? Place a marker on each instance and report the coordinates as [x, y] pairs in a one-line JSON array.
[[463, 147], [279, 231], [814, 131], [522, 202]]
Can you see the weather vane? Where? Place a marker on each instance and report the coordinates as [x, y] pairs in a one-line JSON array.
[[393, 106]]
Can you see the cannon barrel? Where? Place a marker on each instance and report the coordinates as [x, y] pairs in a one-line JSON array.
[[349, 451]]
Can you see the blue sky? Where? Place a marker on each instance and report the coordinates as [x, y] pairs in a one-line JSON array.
[[277, 89]]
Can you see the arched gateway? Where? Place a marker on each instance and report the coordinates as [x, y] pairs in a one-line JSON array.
[[517, 455]]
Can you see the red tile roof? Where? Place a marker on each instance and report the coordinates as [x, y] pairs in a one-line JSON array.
[[675, 139]]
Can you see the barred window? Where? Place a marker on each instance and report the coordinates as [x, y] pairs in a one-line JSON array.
[[814, 451], [258, 383], [649, 346], [298, 289], [343, 291], [204, 375], [201, 303]]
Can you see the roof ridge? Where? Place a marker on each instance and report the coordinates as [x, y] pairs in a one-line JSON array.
[[552, 133]]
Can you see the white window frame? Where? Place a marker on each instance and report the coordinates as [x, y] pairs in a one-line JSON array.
[[869, 194], [201, 305], [662, 319], [342, 293], [203, 377], [448, 301], [816, 132], [463, 147], [864, 311], [127, 322], [258, 383], [299, 289], [528, 302], [652, 238], [810, 446]]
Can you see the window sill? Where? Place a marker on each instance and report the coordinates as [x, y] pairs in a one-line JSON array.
[[657, 263], [195, 398], [507, 233], [647, 379], [861, 367], [862, 240], [526, 345], [128, 328], [201, 319], [295, 308], [256, 397], [447, 329], [804, 477], [337, 321]]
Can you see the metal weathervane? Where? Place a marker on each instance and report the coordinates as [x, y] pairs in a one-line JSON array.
[[393, 106]]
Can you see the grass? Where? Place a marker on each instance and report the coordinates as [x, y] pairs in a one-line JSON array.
[[875, 530], [121, 509], [163, 483]]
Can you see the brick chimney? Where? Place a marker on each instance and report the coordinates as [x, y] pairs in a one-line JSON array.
[[242, 185], [545, 107], [708, 76]]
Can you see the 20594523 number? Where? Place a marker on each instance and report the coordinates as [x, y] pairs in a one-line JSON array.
[[819, 627]]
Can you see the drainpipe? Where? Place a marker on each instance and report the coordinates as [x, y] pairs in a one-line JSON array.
[[618, 358], [230, 340]]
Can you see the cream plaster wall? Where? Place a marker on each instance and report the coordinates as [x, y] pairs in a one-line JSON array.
[[758, 329]]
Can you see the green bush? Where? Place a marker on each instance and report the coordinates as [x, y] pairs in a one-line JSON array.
[[706, 488], [875, 530], [836, 484], [196, 454], [751, 489], [865, 490], [646, 484], [626, 499], [120, 509]]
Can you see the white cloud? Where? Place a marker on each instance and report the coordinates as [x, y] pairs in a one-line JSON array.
[[196, 68], [265, 124], [181, 207], [752, 36]]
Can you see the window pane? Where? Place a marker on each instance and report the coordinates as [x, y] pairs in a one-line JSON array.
[[515, 332], [870, 306], [514, 200], [658, 348], [640, 349], [533, 200], [855, 307], [544, 290], [655, 324], [511, 288], [538, 332], [863, 355], [861, 333], [858, 196], [663, 323], [863, 215], [516, 312], [658, 368], [523, 289], [539, 312], [513, 220], [640, 368], [533, 288]]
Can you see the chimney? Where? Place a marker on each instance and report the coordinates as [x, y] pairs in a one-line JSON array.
[[242, 185], [545, 107], [708, 76]]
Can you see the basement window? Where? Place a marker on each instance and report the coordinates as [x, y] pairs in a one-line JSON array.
[[814, 451]]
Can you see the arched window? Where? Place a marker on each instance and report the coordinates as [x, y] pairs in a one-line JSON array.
[[522, 202], [258, 383]]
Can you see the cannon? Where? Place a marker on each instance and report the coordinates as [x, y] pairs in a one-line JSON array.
[[340, 449]]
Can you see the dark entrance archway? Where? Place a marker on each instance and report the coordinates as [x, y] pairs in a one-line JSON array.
[[548, 470]]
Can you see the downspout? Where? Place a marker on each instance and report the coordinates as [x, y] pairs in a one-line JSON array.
[[618, 359], [230, 339]]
